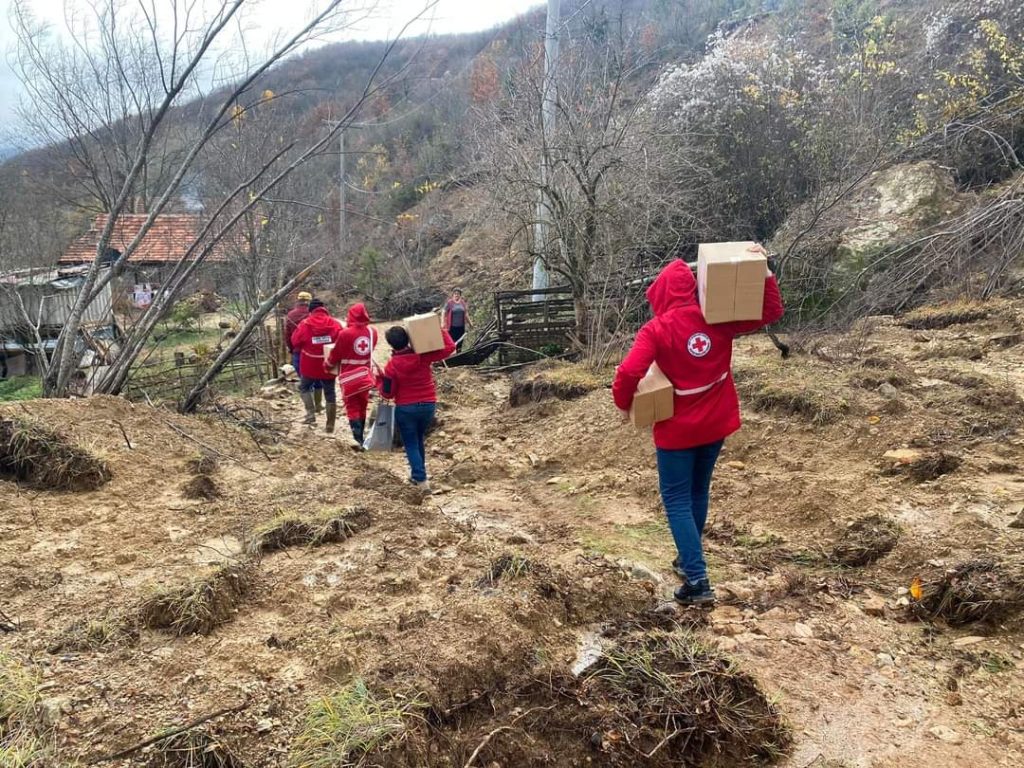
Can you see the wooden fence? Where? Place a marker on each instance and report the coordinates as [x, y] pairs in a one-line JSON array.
[[534, 319], [173, 380]]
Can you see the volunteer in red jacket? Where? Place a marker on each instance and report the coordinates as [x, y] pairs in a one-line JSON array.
[[409, 381], [353, 354], [308, 340], [696, 357]]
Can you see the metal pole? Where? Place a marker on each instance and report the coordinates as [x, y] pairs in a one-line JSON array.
[[549, 99], [341, 192]]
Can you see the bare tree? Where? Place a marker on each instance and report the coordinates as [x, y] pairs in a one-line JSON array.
[[118, 100]]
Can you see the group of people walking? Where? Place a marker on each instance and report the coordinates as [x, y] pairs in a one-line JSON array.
[[695, 356], [327, 354]]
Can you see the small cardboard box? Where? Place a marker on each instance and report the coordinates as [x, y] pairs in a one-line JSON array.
[[425, 332], [327, 353], [730, 282], [654, 400]]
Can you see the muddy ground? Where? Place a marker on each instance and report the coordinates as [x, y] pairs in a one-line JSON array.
[[456, 620]]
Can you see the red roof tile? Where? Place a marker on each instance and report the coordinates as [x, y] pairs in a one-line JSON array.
[[165, 242]]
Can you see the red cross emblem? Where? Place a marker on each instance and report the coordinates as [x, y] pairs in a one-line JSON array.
[[699, 344], [362, 346]]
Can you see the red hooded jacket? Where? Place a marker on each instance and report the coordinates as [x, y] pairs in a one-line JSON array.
[[309, 339], [408, 377], [295, 316], [695, 356], [353, 353]]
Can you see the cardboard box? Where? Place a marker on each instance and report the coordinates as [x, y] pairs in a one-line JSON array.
[[730, 282], [655, 399], [425, 332], [327, 353]]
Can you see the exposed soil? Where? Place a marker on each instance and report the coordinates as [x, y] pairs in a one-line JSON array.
[[520, 615]]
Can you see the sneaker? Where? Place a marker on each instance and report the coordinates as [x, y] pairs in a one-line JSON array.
[[699, 593], [423, 485], [678, 568]]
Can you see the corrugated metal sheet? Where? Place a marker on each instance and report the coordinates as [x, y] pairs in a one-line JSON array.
[[51, 303]]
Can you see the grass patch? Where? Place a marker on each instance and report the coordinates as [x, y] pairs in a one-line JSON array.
[[561, 382], [201, 488], [202, 464], [685, 702], [112, 630], [815, 406], [38, 456], [340, 730], [23, 743], [294, 531], [960, 350], [507, 566], [20, 388], [974, 591], [866, 540], [200, 606], [945, 315]]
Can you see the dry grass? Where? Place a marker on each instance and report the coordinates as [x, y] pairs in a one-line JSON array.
[[112, 630], [817, 406], [295, 531], [200, 606], [23, 741], [196, 748], [866, 540], [38, 456], [202, 464], [960, 350], [507, 566], [977, 590], [684, 702], [342, 729], [946, 315]]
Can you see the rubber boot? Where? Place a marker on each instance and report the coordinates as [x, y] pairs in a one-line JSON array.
[[358, 427], [318, 400], [332, 416], [307, 400]]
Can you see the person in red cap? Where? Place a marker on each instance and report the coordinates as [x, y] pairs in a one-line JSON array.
[[309, 340], [353, 356], [697, 358]]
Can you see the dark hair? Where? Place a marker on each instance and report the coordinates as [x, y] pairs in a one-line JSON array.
[[315, 304], [397, 337], [456, 290]]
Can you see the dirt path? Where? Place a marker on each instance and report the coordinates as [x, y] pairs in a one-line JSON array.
[[545, 530]]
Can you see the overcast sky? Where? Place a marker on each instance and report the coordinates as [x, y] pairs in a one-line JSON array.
[[267, 17]]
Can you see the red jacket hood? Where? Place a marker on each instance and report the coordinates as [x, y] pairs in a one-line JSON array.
[[675, 287], [357, 315], [320, 319]]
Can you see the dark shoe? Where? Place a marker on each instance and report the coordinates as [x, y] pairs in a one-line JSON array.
[[358, 427], [678, 568], [699, 593]]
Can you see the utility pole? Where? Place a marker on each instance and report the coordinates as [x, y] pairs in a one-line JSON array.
[[549, 100], [341, 192]]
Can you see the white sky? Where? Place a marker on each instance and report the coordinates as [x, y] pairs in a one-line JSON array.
[[266, 18]]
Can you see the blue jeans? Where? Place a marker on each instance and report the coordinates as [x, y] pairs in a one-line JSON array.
[[317, 384], [327, 385], [413, 421], [684, 478]]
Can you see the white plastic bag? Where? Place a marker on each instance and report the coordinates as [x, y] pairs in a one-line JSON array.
[[382, 433]]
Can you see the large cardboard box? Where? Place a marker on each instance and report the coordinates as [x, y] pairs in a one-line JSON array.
[[425, 332], [328, 348], [730, 282], [654, 400]]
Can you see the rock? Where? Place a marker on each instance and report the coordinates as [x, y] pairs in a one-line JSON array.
[[521, 538], [735, 465], [640, 572], [740, 592], [264, 726], [902, 456], [726, 614], [1018, 521], [888, 391], [748, 637], [873, 605], [946, 734], [224, 324], [885, 660], [727, 644], [963, 642], [51, 710], [802, 630]]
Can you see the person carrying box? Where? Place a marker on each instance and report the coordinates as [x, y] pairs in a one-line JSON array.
[[353, 356], [696, 357], [409, 381]]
